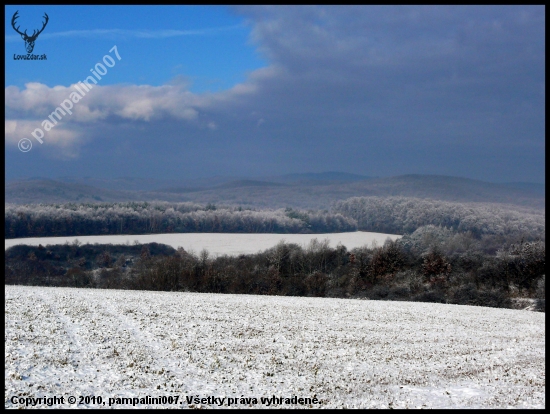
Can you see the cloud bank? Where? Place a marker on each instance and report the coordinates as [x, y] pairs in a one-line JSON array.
[[375, 90]]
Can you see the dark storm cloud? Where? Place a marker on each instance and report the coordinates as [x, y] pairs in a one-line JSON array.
[[387, 63], [374, 90]]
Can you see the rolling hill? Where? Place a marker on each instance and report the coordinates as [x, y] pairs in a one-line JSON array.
[[298, 190], [343, 353]]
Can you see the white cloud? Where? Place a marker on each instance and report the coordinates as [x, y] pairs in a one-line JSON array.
[[63, 139], [134, 102], [375, 79], [126, 34]]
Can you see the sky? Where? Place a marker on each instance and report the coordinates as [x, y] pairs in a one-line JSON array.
[[183, 92]]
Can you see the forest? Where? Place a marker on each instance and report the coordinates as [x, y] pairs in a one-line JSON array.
[[432, 264], [394, 215], [400, 215], [462, 253], [162, 217]]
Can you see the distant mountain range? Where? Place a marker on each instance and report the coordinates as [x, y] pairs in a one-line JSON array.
[[536, 188], [312, 190], [319, 178]]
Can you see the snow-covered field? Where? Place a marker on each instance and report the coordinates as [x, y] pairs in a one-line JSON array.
[[346, 353], [218, 243]]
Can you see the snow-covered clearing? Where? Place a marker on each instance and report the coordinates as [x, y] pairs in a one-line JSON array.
[[347, 353], [218, 243]]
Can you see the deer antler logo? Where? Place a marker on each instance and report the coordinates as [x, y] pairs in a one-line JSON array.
[[29, 40]]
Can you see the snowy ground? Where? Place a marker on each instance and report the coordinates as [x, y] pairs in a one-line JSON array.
[[218, 243], [347, 353]]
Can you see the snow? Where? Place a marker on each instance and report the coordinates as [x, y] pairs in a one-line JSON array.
[[218, 243], [347, 353]]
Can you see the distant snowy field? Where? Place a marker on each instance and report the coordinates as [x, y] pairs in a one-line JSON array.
[[219, 243], [347, 353]]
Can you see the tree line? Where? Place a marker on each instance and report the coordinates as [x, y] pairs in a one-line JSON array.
[[394, 215], [72, 219], [400, 215], [431, 264]]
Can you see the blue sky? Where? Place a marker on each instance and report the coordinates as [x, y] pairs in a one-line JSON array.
[[258, 91], [207, 46]]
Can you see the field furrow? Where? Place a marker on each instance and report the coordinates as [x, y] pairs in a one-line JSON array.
[[347, 353]]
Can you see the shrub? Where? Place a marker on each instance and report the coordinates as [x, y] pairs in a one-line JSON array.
[[540, 294], [104, 259], [435, 264], [493, 298], [435, 296], [316, 283], [469, 295], [399, 293], [378, 292], [411, 279], [386, 260], [79, 278]]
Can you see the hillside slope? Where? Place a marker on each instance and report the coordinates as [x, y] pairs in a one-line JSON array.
[[299, 191], [343, 353]]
